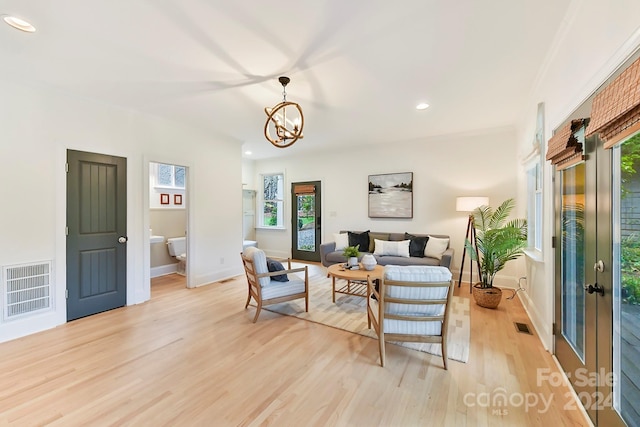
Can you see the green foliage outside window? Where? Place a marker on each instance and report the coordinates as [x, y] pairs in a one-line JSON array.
[[630, 266], [630, 244]]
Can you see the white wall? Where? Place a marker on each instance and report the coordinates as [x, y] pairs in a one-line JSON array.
[[597, 37], [443, 169], [248, 174], [39, 125]]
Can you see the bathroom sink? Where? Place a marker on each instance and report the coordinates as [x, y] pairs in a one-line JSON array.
[[156, 239]]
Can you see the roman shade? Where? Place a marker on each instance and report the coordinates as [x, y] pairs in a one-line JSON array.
[[304, 189], [564, 149], [615, 112]]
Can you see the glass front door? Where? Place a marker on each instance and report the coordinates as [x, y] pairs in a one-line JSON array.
[[597, 336], [626, 280], [305, 217], [575, 310]]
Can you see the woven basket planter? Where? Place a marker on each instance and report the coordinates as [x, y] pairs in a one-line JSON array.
[[488, 297]]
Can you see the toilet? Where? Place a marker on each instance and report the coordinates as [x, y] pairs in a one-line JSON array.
[[248, 243], [178, 248]]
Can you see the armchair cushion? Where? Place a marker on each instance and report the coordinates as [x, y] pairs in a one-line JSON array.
[[416, 273], [260, 261], [274, 265], [280, 289]]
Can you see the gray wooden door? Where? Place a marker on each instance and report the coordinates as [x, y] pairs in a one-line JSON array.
[[97, 230]]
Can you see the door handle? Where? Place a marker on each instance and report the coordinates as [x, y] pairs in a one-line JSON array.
[[594, 288], [598, 266], [122, 239]]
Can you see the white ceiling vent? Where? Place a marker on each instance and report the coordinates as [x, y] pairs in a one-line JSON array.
[[26, 289]]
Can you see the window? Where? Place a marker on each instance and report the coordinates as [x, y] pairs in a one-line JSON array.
[[534, 206], [272, 201], [170, 176], [535, 161]]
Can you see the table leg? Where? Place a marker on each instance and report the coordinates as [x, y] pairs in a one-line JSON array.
[[333, 288]]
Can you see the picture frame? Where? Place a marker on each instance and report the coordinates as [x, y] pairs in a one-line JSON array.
[[391, 195], [164, 199], [177, 199]]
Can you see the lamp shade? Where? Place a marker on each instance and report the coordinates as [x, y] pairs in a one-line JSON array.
[[468, 204]]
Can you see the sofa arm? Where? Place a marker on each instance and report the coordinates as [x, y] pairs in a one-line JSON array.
[[326, 248], [447, 256]]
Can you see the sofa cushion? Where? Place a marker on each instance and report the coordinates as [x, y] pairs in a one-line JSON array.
[[397, 260], [361, 240], [387, 248], [335, 257], [417, 244], [373, 237], [342, 240], [436, 247], [274, 265]]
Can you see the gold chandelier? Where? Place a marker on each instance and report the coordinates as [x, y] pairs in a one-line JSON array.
[[282, 130]]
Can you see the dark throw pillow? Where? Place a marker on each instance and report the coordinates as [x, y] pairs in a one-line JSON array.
[[417, 245], [359, 239], [274, 265]]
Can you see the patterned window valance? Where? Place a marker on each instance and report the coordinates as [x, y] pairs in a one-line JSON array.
[[615, 113], [564, 149]]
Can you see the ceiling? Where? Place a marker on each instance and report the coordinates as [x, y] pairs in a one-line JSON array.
[[357, 68]]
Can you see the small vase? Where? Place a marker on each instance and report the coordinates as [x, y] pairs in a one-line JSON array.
[[352, 261], [369, 262]]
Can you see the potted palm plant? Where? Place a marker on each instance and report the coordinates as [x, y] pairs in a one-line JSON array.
[[498, 240]]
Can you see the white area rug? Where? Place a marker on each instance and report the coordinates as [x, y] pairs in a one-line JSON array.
[[349, 313]]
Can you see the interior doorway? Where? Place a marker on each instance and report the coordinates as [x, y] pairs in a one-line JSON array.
[[168, 222]]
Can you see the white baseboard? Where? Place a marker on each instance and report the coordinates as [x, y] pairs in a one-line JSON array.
[[544, 332], [163, 270]]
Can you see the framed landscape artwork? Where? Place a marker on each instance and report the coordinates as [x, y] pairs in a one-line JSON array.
[[391, 195]]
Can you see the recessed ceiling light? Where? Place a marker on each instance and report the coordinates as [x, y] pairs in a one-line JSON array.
[[422, 106], [19, 24], [248, 153]]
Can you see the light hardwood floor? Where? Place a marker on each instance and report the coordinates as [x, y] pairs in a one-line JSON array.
[[193, 357]]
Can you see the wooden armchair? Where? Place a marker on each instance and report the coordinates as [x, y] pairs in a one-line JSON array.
[[264, 289], [411, 304]]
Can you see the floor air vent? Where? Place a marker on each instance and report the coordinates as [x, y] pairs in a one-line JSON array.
[[522, 328], [26, 288]]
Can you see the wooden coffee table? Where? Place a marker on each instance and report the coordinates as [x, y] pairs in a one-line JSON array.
[[356, 279]]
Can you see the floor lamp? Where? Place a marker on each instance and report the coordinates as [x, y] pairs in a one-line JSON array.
[[468, 204]]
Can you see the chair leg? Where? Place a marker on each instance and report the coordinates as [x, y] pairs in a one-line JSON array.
[[258, 308], [382, 350], [306, 302], [248, 300], [444, 353]]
